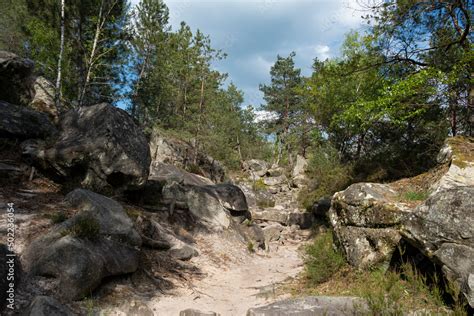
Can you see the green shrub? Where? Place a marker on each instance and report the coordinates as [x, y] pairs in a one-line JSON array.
[[322, 259], [86, 227], [327, 175]]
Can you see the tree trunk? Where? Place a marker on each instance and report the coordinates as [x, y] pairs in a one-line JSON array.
[[57, 97], [92, 54]]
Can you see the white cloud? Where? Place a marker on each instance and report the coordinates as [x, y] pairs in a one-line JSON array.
[[322, 51]]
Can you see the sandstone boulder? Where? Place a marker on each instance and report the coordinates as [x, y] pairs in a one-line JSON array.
[[443, 229], [22, 123], [75, 256], [16, 79], [366, 218], [99, 147]]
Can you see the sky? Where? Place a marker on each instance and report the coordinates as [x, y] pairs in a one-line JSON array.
[[254, 32]]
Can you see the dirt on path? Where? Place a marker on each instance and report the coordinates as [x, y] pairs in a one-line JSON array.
[[231, 288]]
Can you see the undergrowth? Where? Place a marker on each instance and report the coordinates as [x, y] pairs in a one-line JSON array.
[[387, 292]]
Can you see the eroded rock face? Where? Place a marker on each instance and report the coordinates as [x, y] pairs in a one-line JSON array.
[[181, 154], [76, 255], [313, 305], [22, 123], [443, 229], [16, 79], [366, 218], [99, 147], [459, 153]]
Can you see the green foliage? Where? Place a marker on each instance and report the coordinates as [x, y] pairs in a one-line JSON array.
[[322, 260], [415, 195], [327, 175], [86, 227]]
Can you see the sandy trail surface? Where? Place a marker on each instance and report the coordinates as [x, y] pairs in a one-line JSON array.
[[232, 288]]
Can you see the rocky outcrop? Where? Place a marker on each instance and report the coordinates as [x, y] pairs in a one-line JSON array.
[[181, 154], [99, 147], [22, 123], [16, 79], [313, 305], [443, 229], [75, 256], [47, 306], [458, 152], [366, 218], [43, 99]]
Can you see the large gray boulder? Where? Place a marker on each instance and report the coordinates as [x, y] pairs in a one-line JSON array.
[[173, 151], [366, 218], [22, 123], [99, 147], [16, 79], [443, 229], [313, 306], [98, 242]]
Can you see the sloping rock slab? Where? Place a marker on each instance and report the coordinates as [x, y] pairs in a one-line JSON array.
[[312, 306], [22, 123], [443, 229], [76, 264], [99, 146], [163, 172]]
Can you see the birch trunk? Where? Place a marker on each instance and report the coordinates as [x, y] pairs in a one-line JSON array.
[[57, 96]]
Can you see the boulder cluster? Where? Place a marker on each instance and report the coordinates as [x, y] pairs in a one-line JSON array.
[[372, 220]]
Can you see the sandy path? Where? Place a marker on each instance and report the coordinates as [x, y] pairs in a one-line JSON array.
[[233, 288]]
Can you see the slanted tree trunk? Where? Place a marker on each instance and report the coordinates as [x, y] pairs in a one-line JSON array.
[[94, 57], [57, 97]]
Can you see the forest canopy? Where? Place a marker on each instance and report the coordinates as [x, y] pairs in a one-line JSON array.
[[380, 110]]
